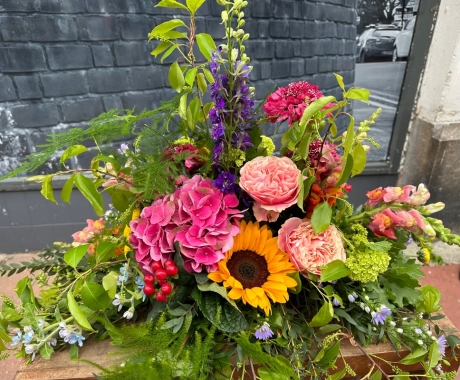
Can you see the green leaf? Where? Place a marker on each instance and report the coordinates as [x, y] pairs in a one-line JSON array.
[[334, 270], [72, 151], [171, 4], [345, 171], [4, 336], [338, 375], [201, 82], [330, 355], [358, 94], [95, 297], [402, 376], [212, 286], [329, 328], [89, 191], [47, 188], [324, 315], [315, 107], [194, 5], [73, 352], [168, 52], [434, 356], [414, 357], [349, 137], [231, 320], [109, 282], [77, 313], [208, 75], [267, 374], [119, 200], [165, 27], [275, 318], [25, 291], [377, 375], [190, 76], [193, 112], [105, 251], [431, 298], [359, 160], [173, 35], [206, 44], [321, 218], [46, 351], [340, 81], [176, 78], [66, 191], [73, 256], [162, 46], [296, 276]]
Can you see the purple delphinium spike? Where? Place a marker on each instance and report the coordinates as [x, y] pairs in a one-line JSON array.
[[379, 316], [264, 332], [225, 182]]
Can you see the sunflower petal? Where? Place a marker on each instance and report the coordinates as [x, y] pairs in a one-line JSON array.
[[235, 294]]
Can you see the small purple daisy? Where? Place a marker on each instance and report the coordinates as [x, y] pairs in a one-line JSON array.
[[442, 343], [379, 316], [264, 332]]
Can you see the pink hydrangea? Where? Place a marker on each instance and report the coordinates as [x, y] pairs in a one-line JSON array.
[[272, 182], [309, 252], [198, 216], [289, 103]]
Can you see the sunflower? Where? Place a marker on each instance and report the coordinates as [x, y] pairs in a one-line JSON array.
[[255, 268]]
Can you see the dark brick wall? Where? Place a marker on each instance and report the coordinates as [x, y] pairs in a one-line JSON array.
[[63, 62]]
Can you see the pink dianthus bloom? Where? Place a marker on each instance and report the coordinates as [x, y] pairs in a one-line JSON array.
[[290, 102]]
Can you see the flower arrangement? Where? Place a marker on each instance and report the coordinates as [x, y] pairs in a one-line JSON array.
[[238, 260]]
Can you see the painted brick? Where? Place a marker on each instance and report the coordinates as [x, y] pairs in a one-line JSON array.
[[64, 84], [149, 8], [297, 67], [22, 59], [311, 65], [7, 90], [261, 9], [325, 64], [280, 69], [69, 57], [146, 78], [13, 29], [265, 69], [297, 29], [102, 56], [143, 101], [19, 6], [264, 88], [112, 102], [264, 28], [283, 9], [260, 49], [28, 87], [124, 6], [308, 48], [136, 27], [279, 28], [108, 80], [305, 10], [82, 110], [35, 115], [132, 54], [96, 6], [62, 6], [284, 50], [98, 28], [52, 28], [214, 27]]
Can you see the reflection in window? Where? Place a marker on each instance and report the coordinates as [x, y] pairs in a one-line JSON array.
[[385, 33]]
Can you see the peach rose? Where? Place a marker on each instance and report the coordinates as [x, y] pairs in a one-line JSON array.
[[272, 182], [306, 250]]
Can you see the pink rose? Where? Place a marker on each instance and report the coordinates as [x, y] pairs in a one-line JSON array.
[[306, 250], [272, 182]]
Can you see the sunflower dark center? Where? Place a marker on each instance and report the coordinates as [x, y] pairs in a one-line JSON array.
[[249, 268]]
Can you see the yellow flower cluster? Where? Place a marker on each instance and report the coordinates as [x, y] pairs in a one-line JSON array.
[[127, 230], [237, 156], [267, 147]]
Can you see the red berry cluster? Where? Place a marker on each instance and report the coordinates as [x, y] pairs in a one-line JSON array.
[[160, 274]]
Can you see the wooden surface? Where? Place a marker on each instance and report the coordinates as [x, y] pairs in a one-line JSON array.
[[59, 367]]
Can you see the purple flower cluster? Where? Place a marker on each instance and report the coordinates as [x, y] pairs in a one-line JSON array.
[[231, 107], [225, 182]]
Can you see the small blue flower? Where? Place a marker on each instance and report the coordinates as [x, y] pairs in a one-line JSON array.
[[264, 332], [352, 297], [379, 316], [336, 302], [123, 148], [75, 338], [17, 338], [418, 331], [124, 270], [29, 335]]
